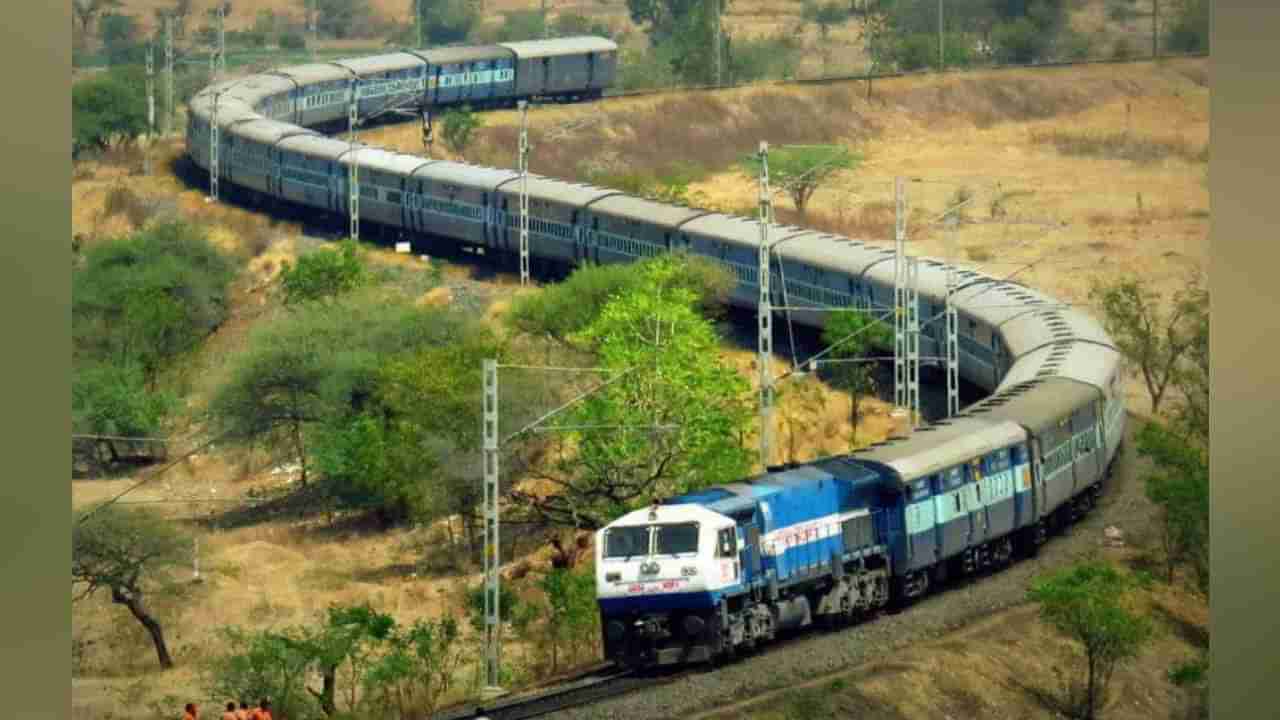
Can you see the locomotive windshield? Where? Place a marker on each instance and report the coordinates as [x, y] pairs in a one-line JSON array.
[[621, 542], [634, 541], [676, 539]]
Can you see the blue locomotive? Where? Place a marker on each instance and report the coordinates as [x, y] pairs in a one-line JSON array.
[[705, 574]]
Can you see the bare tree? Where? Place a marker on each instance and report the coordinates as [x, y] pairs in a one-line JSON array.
[[127, 552], [1154, 338]]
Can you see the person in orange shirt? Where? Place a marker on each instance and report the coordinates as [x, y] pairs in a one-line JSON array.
[[230, 714], [263, 712], [191, 712], [243, 713]]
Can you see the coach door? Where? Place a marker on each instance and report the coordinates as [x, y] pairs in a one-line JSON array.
[[975, 502]]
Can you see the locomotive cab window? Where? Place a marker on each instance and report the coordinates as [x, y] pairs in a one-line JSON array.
[[625, 542], [675, 539]]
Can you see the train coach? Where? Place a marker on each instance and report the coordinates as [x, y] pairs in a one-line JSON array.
[[725, 569]]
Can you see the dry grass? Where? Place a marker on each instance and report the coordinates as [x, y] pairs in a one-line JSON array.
[[1014, 666], [1121, 145]]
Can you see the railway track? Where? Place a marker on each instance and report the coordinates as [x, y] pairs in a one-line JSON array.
[[591, 687]]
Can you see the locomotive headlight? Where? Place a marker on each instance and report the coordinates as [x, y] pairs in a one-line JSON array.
[[689, 570]]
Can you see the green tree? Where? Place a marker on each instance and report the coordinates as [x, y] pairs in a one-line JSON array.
[[339, 18], [106, 110], [113, 400], [460, 125], [148, 298], [564, 309], [86, 11], [824, 15], [448, 21], [671, 418], [684, 31], [324, 275], [853, 334], [416, 669], [1155, 339], [1189, 31], [265, 664], [1192, 380], [349, 637], [571, 616], [119, 35], [802, 169], [1179, 485], [1089, 603], [128, 553]]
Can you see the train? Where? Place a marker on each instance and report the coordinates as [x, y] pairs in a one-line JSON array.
[[706, 575]]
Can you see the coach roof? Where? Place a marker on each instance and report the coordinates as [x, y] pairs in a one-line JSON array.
[[561, 46], [934, 448]]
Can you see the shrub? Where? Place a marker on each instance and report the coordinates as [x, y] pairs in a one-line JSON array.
[[292, 41]]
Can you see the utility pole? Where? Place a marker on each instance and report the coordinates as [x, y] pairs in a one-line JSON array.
[[492, 559], [718, 31], [314, 12], [764, 311], [353, 181], [170, 113], [1155, 28], [151, 106], [417, 20], [524, 193], [952, 353], [214, 170], [545, 29], [906, 321], [222, 38], [941, 62]]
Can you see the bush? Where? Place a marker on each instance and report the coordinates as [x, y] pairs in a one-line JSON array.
[[324, 274], [148, 297], [763, 58], [292, 41], [108, 110], [916, 51], [1190, 30]]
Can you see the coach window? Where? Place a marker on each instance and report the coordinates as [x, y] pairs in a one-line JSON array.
[[676, 539]]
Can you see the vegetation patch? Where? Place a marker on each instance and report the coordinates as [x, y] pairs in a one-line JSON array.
[[1121, 146]]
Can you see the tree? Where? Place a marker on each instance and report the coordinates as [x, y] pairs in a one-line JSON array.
[[338, 18], [126, 552], [271, 664], [349, 636], [86, 11], [1153, 338], [670, 419], [683, 30], [803, 169], [566, 308], [460, 125], [107, 110], [572, 619], [1192, 380], [852, 334], [149, 297], [1088, 603], [1180, 487], [119, 33], [448, 21], [113, 401], [324, 275], [1189, 32], [824, 15]]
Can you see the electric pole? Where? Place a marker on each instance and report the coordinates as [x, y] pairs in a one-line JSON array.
[[718, 31], [151, 106], [170, 112], [941, 62], [213, 149], [492, 558], [764, 312], [417, 20], [1155, 28], [906, 321], [353, 181], [222, 39], [524, 193]]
